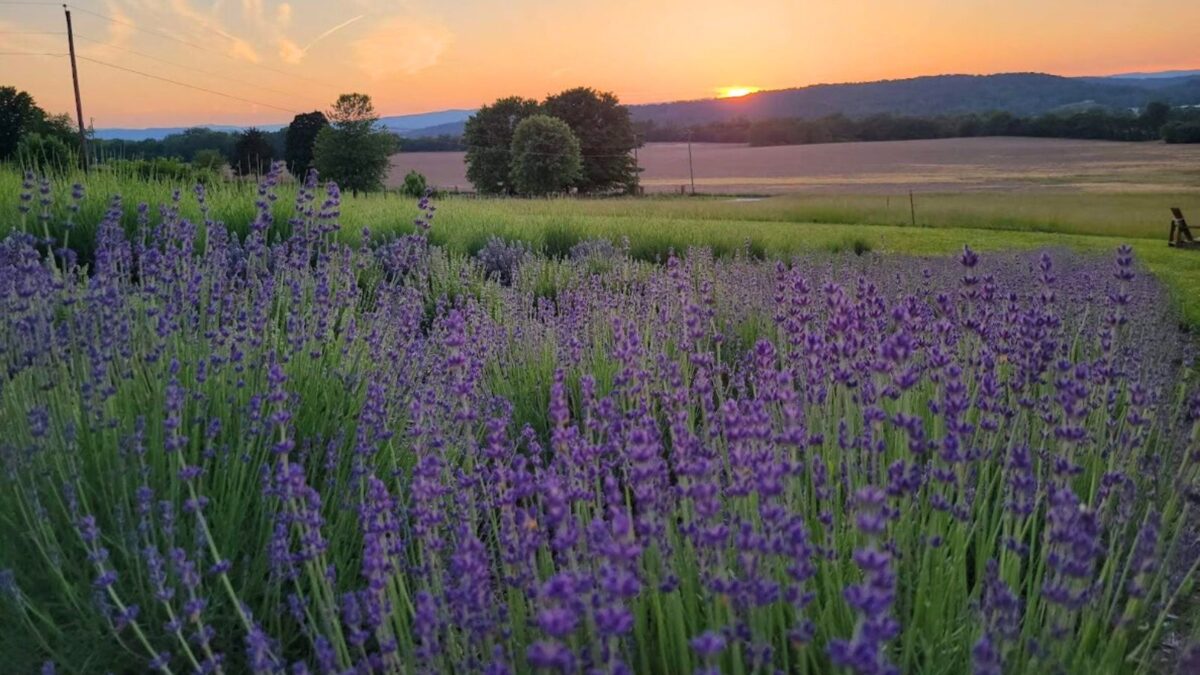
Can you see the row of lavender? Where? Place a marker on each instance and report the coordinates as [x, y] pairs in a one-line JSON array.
[[300, 456]]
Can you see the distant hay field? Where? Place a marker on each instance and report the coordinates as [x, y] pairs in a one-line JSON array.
[[944, 165]]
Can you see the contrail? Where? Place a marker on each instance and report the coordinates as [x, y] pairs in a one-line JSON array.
[[329, 32]]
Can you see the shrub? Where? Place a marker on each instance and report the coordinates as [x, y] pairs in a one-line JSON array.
[[46, 154], [500, 259], [209, 160], [414, 184]]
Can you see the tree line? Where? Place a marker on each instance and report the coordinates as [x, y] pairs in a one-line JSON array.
[[344, 144], [1157, 121], [579, 140]]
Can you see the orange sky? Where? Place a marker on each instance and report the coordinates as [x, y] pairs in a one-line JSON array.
[[415, 56]]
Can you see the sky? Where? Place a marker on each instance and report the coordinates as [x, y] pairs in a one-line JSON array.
[[271, 59]]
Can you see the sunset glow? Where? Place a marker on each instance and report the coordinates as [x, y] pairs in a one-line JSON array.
[[735, 92], [273, 57]]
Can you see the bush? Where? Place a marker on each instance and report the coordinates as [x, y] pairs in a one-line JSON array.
[[209, 160], [46, 154], [501, 259], [160, 168], [414, 184]]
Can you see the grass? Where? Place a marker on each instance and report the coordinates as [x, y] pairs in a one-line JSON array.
[[774, 227]]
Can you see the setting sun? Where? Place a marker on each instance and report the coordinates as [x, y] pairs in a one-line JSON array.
[[735, 92]]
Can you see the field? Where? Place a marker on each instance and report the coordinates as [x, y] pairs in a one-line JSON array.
[[268, 430], [894, 167], [777, 226]]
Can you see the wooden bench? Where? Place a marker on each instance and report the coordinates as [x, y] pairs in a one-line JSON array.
[[1181, 235]]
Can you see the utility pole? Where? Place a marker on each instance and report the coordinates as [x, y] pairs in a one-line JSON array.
[[83, 154], [691, 174]]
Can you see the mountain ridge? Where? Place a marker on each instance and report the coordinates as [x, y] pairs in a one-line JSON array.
[[924, 96]]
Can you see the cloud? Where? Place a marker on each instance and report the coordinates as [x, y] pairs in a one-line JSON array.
[[252, 10], [292, 53], [283, 14], [240, 49], [289, 52], [235, 47], [401, 46], [122, 29]]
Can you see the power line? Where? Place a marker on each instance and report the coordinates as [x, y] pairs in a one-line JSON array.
[[32, 32], [209, 73], [150, 31], [31, 54], [193, 45], [184, 84]]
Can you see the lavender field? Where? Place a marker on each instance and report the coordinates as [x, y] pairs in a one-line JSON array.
[[298, 455]]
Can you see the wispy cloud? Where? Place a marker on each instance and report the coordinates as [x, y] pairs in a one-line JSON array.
[[235, 47], [121, 30], [331, 31], [401, 46], [290, 52]]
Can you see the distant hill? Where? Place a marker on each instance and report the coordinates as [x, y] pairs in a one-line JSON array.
[[160, 132], [1021, 94], [447, 129], [1163, 74], [401, 124], [1016, 93], [420, 123]]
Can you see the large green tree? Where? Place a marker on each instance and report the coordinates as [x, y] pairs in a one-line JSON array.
[[299, 140], [252, 152], [20, 116], [545, 156], [606, 137], [1154, 116], [353, 151], [488, 135]]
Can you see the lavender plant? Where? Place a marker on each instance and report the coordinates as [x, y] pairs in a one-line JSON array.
[[235, 454]]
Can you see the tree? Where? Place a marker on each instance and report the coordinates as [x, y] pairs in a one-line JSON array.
[[49, 154], [1154, 116], [545, 156], [252, 152], [299, 139], [59, 127], [414, 184], [208, 159], [352, 151], [353, 110], [1182, 132], [18, 113], [488, 135], [185, 145], [606, 137]]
